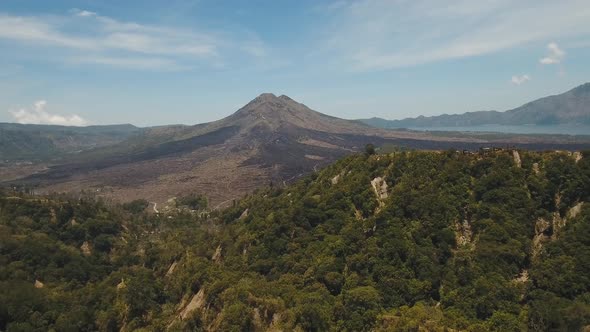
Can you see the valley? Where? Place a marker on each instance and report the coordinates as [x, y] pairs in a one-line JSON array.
[[270, 141]]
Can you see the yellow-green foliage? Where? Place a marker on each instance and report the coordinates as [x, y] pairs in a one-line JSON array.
[[450, 248]]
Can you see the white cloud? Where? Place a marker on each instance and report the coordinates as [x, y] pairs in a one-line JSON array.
[[518, 80], [555, 55], [88, 34], [38, 115], [385, 34], [82, 13]]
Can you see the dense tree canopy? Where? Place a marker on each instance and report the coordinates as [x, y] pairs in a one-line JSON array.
[[384, 242]]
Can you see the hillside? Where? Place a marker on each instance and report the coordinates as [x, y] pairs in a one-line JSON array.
[[269, 140], [571, 107], [405, 241], [42, 142]]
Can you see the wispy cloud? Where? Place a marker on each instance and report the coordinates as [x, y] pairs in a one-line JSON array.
[[555, 55], [38, 115], [106, 40], [386, 34], [136, 63], [82, 13], [518, 80], [105, 34]]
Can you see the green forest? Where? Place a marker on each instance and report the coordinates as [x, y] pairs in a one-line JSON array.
[[404, 241]]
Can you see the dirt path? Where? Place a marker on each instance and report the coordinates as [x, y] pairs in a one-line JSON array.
[[220, 204]]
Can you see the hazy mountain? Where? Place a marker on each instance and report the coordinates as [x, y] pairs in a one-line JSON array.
[[270, 140], [37, 142], [572, 107]]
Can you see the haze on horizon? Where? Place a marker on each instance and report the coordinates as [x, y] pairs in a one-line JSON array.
[[153, 63]]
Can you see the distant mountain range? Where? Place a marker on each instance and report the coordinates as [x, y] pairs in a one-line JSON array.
[[39, 142], [572, 107], [271, 140]]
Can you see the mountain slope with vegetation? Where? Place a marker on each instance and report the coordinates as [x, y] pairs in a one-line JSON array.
[[571, 107], [43, 142], [272, 139], [382, 242]]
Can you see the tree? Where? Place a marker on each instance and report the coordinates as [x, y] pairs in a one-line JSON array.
[[136, 206], [361, 306], [369, 149], [193, 202]]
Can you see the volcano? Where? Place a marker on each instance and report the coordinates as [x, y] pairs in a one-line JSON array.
[[272, 140]]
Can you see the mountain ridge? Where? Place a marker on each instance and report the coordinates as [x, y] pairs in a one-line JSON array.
[[572, 106], [33, 141]]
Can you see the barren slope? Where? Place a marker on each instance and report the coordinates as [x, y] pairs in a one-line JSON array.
[[271, 140]]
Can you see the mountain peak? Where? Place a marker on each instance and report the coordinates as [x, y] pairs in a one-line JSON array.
[[268, 106], [277, 112], [266, 96], [269, 102], [285, 97], [271, 97]]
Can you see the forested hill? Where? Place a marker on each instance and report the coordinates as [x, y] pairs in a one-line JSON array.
[[409, 240]]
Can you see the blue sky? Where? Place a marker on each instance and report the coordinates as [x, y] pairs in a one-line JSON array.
[[190, 61]]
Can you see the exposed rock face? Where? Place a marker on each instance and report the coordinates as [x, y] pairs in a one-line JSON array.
[[262, 324], [577, 156], [121, 285], [257, 319], [335, 179], [463, 233], [536, 168], [542, 227], [39, 284], [53, 216], [516, 157], [380, 188], [558, 224], [575, 210], [523, 277], [274, 324], [217, 255], [171, 269], [244, 214], [86, 249], [549, 231], [197, 302]]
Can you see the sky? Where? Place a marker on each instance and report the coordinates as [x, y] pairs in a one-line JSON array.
[[147, 62]]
